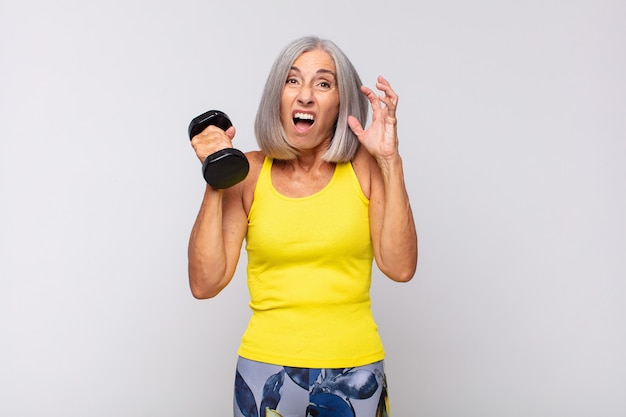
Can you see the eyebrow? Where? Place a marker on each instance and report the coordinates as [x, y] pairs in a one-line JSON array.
[[319, 71]]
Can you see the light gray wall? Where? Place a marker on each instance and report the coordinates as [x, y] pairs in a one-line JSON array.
[[512, 120]]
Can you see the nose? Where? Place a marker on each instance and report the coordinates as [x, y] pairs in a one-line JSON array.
[[305, 95]]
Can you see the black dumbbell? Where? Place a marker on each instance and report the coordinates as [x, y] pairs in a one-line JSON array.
[[226, 167]]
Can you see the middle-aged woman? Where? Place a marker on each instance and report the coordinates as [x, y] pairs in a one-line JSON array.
[[324, 197]]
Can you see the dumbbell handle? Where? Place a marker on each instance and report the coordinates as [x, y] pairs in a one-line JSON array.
[[212, 117], [226, 167]]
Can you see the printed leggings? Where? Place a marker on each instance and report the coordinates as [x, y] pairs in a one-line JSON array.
[[264, 390]]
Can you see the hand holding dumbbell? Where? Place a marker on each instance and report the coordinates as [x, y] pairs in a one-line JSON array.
[[226, 167]]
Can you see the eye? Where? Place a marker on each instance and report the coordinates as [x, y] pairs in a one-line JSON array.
[[324, 85], [291, 81]]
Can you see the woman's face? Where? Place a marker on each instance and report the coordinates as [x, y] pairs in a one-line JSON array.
[[310, 101]]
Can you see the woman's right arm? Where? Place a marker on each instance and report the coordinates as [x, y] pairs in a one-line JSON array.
[[220, 227], [216, 239]]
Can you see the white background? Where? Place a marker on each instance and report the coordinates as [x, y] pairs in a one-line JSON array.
[[512, 123]]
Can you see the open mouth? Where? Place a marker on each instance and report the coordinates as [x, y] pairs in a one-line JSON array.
[[303, 121]]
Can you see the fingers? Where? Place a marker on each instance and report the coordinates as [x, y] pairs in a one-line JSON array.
[[355, 125], [230, 132], [371, 96], [211, 140], [389, 99]]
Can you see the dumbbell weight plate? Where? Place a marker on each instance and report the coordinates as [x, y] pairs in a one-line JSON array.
[[226, 167]]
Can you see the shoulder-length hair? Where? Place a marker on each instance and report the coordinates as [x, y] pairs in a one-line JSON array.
[[268, 129]]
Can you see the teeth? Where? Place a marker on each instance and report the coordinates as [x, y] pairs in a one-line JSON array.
[[304, 116]]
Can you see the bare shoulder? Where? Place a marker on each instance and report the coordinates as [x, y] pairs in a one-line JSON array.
[[366, 170], [255, 159]]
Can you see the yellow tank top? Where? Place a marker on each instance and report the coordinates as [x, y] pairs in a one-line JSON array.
[[309, 275]]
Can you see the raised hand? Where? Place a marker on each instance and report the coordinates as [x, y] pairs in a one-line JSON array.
[[211, 140], [380, 138]]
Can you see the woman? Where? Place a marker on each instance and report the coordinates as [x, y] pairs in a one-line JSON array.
[[323, 198]]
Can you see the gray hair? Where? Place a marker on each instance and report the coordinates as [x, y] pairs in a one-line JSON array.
[[268, 129]]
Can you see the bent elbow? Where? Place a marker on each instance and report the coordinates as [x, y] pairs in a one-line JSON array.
[[205, 283], [401, 272], [202, 289], [403, 275], [203, 293]]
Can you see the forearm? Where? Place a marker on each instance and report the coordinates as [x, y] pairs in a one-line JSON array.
[[398, 237], [207, 260]]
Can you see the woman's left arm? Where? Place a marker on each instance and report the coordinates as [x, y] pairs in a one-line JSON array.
[[392, 226]]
